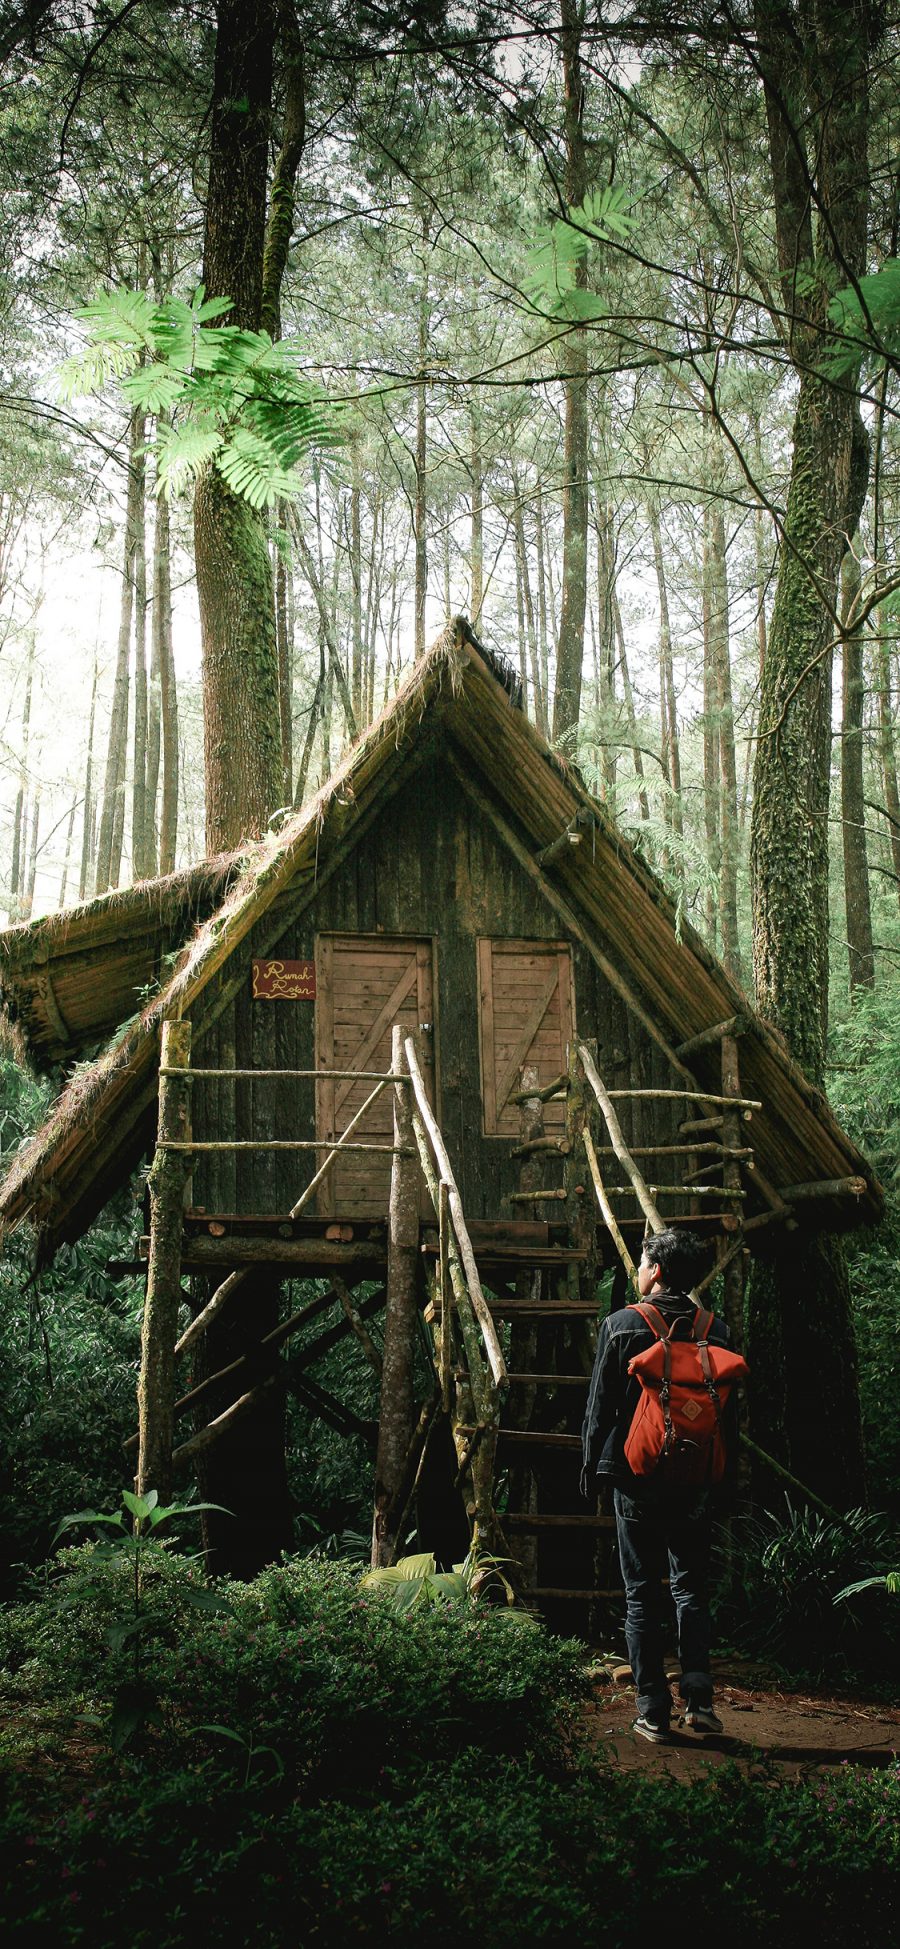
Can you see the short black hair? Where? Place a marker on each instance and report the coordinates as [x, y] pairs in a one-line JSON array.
[[682, 1257]]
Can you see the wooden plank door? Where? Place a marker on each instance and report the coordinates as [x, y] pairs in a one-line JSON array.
[[364, 984], [526, 1014]]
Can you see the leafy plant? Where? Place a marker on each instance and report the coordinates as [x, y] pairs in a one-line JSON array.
[[135, 1702], [786, 1573], [416, 1580], [224, 397], [558, 249]]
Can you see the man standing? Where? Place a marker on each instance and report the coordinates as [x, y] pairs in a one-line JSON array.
[[661, 1523]]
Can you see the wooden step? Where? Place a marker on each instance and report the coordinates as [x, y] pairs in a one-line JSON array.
[[520, 1309], [535, 1438], [518, 1257], [543, 1593], [549, 1380], [516, 1519]]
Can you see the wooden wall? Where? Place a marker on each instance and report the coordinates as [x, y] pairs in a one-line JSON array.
[[430, 865]]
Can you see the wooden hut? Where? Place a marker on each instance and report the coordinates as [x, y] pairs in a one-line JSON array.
[[454, 904]]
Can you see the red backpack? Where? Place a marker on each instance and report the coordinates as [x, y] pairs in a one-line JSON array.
[[685, 1383]]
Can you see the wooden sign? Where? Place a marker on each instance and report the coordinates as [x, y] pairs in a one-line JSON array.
[[286, 981]]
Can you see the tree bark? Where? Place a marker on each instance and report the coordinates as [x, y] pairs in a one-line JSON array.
[[802, 1355], [421, 456], [886, 748], [242, 732], [606, 650], [67, 857], [570, 644], [168, 695], [711, 820], [111, 817], [630, 714], [284, 634], [857, 903], [668, 705], [727, 794], [524, 581], [19, 846], [476, 477], [139, 863]]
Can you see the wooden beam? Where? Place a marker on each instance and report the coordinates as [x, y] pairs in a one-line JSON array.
[[492, 1345], [824, 1188], [650, 1210], [159, 1331], [606, 1208], [735, 1025]]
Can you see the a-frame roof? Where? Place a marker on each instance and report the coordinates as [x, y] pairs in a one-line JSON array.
[[600, 889]]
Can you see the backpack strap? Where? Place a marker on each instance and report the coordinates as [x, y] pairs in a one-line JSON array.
[[702, 1324], [651, 1318]]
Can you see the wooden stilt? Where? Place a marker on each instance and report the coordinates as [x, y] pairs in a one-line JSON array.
[[397, 1410], [168, 1175]]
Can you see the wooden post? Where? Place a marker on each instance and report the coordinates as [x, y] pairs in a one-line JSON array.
[[397, 1411], [580, 1214], [733, 1276], [169, 1172]]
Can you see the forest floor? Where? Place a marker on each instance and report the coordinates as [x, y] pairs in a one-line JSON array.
[[767, 1728]]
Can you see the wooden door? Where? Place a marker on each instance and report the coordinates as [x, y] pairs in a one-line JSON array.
[[526, 1015], [364, 984]]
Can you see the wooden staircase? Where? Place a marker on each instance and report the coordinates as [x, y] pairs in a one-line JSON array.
[[542, 1302]]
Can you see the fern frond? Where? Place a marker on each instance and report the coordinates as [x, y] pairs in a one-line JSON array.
[[253, 470], [181, 454]]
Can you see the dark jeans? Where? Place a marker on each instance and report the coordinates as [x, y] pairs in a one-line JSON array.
[[659, 1532]]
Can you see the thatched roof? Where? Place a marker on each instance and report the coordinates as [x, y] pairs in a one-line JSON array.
[[68, 980], [105, 1117]]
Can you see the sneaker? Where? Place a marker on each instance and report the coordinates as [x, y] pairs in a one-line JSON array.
[[657, 1735], [702, 1718]]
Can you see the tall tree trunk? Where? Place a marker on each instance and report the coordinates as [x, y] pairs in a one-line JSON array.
[[168, 696], [28, 902], [356, 661], [242, 730], [823, 77], [630, 713], [67, 856], [857, 903], [476, 477], [570, 645], [711, 787], [140, 865], [886, 747], [606, 650], [87, 827], [284, 636], [728, 809], [543, 617], [112, 814], [524, 583], [17, 876], [421, 461], [667, 701]]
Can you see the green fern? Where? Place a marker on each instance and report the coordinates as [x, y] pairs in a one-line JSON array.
[[558, 250], [867, 319], [236, 398]]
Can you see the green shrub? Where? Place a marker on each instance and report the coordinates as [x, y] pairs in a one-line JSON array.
[[477, 1850], [782, 1575]]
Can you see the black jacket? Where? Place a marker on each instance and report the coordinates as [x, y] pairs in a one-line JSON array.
[[614, 1394]]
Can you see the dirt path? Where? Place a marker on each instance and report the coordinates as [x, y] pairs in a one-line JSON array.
[[790, 1732]]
